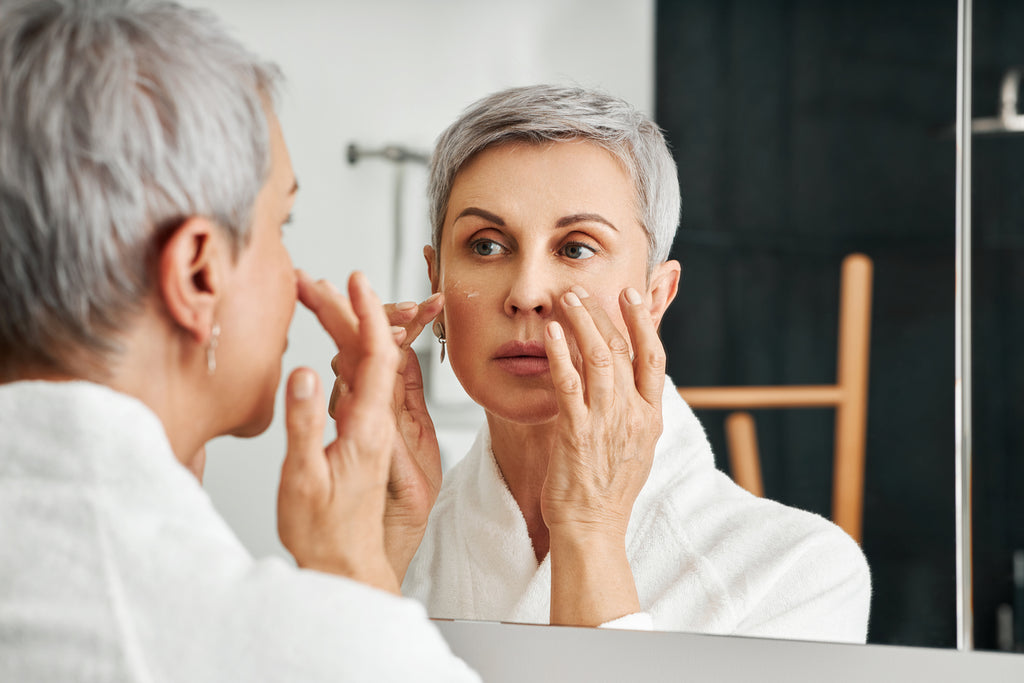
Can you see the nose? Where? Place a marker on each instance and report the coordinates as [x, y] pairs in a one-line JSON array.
[[533, 288]]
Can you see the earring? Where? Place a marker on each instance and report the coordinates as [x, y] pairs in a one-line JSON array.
[[438, 329], [211, 349]]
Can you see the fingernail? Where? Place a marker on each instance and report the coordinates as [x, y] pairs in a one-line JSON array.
[[405, 306], [554, 330], [572, 300], [582, 293], [633, 296], [397, 329], [302, 387], [432, 298]]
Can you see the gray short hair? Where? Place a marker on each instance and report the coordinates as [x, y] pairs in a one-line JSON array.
[[118, 120], [548, 112]]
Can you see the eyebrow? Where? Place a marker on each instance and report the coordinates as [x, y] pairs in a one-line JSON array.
[[486, 215], [563, 222], [584, 218]]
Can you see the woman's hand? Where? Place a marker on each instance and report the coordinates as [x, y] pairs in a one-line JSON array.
[[331, 500], [415, 475], [609, 421]]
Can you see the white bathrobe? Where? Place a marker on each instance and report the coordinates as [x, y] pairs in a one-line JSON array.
[[706, 555], [114, 566]]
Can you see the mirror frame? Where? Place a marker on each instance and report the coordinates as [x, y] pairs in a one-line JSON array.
[[518, 652], [962, 379]]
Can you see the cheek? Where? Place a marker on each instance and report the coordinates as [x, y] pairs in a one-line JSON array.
[[286, 286], [463, 311]]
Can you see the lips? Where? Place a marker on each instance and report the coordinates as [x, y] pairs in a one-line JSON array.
[[523, 359], [518, 349]]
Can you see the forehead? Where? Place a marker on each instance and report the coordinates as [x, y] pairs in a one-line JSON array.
[[564, 175]]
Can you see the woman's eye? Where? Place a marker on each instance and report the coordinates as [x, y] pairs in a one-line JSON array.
[[486, 248], [577, 251]]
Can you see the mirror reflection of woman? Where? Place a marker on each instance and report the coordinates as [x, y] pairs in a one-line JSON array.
[[590, 496]]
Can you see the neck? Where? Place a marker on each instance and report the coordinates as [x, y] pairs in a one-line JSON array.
[[158, 370], [150, 369], [521, 452]]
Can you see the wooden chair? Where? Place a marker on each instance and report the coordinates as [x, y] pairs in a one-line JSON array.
[[848, 396]]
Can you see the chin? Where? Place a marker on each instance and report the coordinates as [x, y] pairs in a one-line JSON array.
[[527, 408], [525, 418], [257, 424]]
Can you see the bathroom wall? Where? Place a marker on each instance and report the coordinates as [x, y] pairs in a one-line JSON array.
[[395, 72]]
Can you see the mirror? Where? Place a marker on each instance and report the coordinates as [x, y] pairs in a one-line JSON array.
[[802, 132]]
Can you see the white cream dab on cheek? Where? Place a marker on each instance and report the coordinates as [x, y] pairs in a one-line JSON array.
[[470, 295], [449, 286]]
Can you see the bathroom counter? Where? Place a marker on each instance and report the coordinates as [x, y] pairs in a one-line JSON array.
[[514, 652]]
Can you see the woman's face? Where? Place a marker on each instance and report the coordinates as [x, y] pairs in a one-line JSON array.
[[259, 301], [525, 222]]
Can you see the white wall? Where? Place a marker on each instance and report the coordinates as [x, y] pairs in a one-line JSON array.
[[383, 72]]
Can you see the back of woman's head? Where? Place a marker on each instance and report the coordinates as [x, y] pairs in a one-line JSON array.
[[542, 113], [118, 119]]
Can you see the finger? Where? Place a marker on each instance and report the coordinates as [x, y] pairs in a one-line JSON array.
[[649, 353], [337, 394], [413, 414], [342, 366], [617, 344], [598, 363], [613, 337], [564, 377], [428, 310], [400, 313], [414, 317], [331, 308], [375, 374], [304, 422], [412, 384]]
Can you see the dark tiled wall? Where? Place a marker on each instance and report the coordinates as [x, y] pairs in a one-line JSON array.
[[804, 131]]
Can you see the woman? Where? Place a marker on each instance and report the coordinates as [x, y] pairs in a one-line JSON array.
[[144, 182], [590, 496]]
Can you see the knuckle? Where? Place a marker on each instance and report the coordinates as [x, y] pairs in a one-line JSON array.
[[656, 358], [618, 346], [601, 358], [636, 424], [569, 385]]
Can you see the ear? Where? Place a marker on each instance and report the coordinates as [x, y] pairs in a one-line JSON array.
[[433, 268], [191, 275], [662, 289]]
